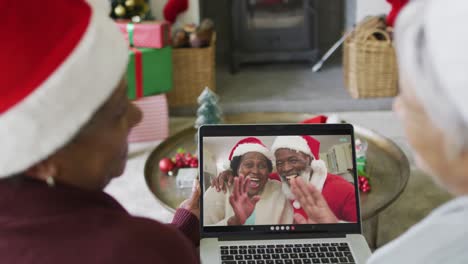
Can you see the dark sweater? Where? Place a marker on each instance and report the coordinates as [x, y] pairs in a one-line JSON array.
[[40, 224]]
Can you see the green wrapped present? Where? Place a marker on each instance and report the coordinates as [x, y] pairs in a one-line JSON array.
[[149, 72]]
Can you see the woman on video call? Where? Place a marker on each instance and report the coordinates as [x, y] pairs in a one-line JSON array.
[[253, 199]]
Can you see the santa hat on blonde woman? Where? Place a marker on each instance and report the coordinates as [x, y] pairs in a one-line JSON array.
[[430, 38], [249, 144], [59, 66], [309, 146]]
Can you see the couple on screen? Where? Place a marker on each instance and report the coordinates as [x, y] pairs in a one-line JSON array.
[[300, 191]]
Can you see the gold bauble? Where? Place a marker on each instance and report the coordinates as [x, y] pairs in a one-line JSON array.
[[130, 3], [119, 11]]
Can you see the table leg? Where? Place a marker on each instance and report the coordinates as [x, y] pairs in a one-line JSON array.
[[370, 230]]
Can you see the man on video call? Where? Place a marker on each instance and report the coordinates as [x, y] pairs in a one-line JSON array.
[[333, 198]]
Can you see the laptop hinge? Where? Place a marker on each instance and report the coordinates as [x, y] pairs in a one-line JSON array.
[[280, 236]]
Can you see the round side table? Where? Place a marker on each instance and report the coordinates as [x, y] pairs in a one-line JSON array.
[[386, 163]]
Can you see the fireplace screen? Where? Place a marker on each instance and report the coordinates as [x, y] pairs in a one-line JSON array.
[[264, 14], [273, 30]]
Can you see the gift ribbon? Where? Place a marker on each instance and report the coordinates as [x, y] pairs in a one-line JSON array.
[[130, 29], [138, 72], [165, 34]]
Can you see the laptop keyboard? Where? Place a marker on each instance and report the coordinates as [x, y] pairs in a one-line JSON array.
[[287, 254]]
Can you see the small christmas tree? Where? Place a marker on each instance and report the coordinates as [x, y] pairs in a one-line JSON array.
[[136, 10], [208, 112]]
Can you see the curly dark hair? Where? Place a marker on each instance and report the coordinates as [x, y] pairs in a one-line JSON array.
[[235, 163]]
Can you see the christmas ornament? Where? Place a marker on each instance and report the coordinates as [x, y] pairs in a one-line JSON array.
[[119, 11], [361, 162], [135, 10], [363, 183], [166, 165], [181, 159], [136, 19], [130, 4]]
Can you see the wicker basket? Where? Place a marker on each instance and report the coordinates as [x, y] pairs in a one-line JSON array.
[[369, 63], [194, 69]]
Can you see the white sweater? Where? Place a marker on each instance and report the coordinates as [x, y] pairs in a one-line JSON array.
[[442, 237]]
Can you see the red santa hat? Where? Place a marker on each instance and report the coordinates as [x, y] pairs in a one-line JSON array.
[[59, 66], [249, 144], [309, 146]]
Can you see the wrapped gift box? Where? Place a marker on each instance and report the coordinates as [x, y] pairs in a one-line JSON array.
[[154, 34], [149, 72], [155, 122]]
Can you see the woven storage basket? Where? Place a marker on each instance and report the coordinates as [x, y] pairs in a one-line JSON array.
[[194, 69], [369, 63]]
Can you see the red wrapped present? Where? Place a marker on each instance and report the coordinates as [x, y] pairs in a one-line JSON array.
[[155, 122], [153, 34]]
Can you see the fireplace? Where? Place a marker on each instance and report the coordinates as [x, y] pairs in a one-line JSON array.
[[273, 30]]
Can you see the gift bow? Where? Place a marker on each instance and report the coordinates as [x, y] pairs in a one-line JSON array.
[[138, 72]]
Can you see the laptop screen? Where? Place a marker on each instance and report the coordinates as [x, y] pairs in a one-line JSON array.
[[247, 172]]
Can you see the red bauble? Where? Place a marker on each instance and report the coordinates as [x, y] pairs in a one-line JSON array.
[[166, 165], [179, 164], [179, 156], [194, 163]]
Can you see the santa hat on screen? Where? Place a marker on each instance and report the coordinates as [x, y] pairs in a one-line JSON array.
[[309, 146], [249, 144], [71, 59]]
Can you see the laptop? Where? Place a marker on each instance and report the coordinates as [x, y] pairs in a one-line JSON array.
[[272, 227]]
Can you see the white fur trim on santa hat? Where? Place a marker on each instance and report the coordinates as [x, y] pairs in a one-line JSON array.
[[53, 114], [250, 147], [292, 142]]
